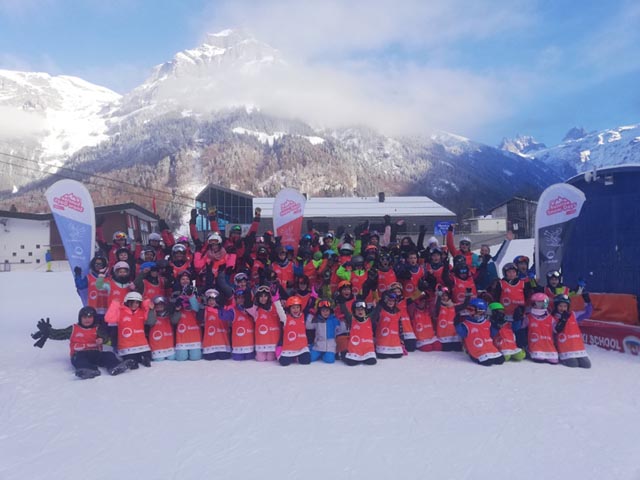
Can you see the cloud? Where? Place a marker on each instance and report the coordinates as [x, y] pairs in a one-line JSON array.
[[377, 62], [16, 123]]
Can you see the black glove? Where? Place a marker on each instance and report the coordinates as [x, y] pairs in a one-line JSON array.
[[178, 303], [340, 231], [562, 321], [498, 319], [77, 271], [422, 229], [194, 216], [518, 313], [423, 284], [188, 290], [586, 297], [44, 326], [326, 275], [348, 238], [450, 229], [162, 225], [387, 220], [310, 225], [42, 339]]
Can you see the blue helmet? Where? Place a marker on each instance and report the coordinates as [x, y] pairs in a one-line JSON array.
[[478, 304]]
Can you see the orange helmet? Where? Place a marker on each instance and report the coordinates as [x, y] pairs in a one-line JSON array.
[[344, 283], [295, 300]]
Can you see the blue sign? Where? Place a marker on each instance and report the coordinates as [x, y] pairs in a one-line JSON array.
[[440, 228]]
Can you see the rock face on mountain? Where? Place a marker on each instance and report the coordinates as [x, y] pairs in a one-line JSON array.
[[156, 141]]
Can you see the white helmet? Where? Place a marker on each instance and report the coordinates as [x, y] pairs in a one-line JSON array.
[[178, 247], [215, 236], [120, 265], [346, 246], [119, 235], [155, 236], [211, 293], [132, 296], [465, 239]]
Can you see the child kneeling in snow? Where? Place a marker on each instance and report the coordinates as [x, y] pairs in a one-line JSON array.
[[475, 331], [162, 322], [326, 326], [571, 351], [360, 349], [294, 338], [86, 339], [130, 318], [504, 338]]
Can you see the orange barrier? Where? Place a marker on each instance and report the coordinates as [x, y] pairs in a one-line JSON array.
[[610, 307]]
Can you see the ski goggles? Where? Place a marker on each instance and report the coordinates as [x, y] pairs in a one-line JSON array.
[[359, 304], [324, 304], [120, 236], [553, 274]]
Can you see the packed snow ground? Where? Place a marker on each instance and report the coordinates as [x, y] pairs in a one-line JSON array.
[[428, 415]]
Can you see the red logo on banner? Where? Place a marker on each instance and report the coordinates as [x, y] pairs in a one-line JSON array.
[[68, 200], [290, 207], [561, 204]]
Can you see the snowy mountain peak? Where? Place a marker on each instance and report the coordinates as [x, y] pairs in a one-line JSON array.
[[522, 145], [576, 133], [202, 72]]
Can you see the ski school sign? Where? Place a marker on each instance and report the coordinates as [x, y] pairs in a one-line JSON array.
[[288, 212], [73, 212], [612, 336]]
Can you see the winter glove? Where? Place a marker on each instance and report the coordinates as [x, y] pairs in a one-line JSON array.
[[77, 271], [194, 216], [582, 283], [257, 212], [188, 290], [518, 313], [423, 284], [586, 297], [44, 326], [212, 213], [498, 319], [348, 238], [562, 321], [313, 294], [340, 231], [450, 228], [309, 225], [422, 229], [162, 225], [178, 303], [326, 275], [372, 274], [387, 220], [42, 339]]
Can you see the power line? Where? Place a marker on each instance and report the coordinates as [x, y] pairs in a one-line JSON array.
[[103, 177], [98, 184]]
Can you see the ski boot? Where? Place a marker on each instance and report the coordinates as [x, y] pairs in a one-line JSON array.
[[86, 373]]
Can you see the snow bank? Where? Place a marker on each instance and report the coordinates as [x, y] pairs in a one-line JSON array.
[[435, 415]]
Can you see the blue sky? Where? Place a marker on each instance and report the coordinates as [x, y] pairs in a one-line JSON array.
[[484, 69]]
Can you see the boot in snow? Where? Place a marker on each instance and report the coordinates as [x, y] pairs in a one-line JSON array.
[[86, 373], [118, 369], [131, 364]]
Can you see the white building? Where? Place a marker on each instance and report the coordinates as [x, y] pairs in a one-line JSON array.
[[24, 237]]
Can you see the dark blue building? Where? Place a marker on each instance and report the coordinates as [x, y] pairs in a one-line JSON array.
[[604, 247]]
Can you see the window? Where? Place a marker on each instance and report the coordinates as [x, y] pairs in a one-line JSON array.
[[37, 260], [22, 261], [21, 247], [37, 245], [31, 254], [14, 254]]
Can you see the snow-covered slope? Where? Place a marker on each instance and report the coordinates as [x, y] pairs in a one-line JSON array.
[[49, 118], [194, 81], [615, 146], [428, 414]]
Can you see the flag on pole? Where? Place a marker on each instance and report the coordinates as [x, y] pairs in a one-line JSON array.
[[558, 207], [74, 214], [288, 213]]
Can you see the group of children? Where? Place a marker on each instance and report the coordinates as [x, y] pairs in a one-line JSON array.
[[353, 297]]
